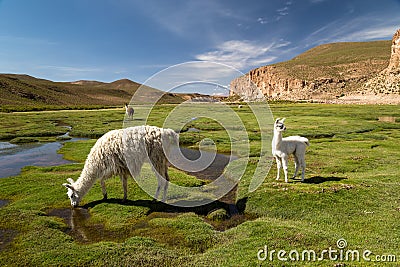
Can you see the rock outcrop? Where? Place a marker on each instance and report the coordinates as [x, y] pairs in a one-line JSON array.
[[275, 83], [394, 63], [325, 73], [387, 81]]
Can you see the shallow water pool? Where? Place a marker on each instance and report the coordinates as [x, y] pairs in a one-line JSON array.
[[14, 157]]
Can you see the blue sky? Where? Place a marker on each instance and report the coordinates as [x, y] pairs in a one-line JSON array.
[[106, 40]]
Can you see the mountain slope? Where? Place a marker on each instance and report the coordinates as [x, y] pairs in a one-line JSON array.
[[24, 90], [324, 72], [339, 60]]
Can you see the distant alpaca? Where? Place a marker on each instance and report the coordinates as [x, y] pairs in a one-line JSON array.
[[129, 111], [283, 147], [123, 152]]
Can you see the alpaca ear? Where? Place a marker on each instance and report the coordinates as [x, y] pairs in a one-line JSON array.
[[70, 180], [283, 120], [68, 186], [277, 120]]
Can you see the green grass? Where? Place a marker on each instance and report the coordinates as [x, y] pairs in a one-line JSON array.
[[344, 53], [351, 192], [346, 63]]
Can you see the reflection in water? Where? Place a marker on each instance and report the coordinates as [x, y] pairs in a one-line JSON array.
[[76, 220], [6, 235], [85, 231], [214, 170], [3, 202], [216, 163]]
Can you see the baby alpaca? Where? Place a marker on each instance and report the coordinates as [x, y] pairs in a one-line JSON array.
[[122, 152], [283, 147]]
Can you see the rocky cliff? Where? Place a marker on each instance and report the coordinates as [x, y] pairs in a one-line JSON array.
[[388, 80], [323, 73]]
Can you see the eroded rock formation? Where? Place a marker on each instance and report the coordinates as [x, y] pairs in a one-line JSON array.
[[388, 81]]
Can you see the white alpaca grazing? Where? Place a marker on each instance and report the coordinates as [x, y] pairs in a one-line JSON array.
[[122, 152], [283, 147]]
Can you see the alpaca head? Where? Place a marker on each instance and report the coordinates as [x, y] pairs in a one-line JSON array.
[[72, 193], [279, 125]]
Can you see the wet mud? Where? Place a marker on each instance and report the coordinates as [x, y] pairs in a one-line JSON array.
[[6, 235]]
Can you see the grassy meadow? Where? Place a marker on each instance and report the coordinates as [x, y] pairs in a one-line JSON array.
[[350, 192]]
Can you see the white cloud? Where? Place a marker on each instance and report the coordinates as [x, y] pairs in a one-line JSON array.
[[187, 18], [196, 76], [379, 32], [358, 29], [262, 20], [243, 54], [283, 11]]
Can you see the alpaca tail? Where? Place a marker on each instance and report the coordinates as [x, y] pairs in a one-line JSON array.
[[305, 141]]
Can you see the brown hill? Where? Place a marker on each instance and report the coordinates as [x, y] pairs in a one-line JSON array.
[[326, 72], [27, 92]]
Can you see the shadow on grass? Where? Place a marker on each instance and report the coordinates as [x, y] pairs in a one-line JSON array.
[[84, 231], [157, 206], [321, 179]]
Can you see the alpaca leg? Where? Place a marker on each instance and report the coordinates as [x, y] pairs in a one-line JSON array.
[[159, 181], [278, 167], [166, 183], [303, 169], [124, 181], [296, 165], [158, 188], [285, 167], [103, 188], [162, 182]]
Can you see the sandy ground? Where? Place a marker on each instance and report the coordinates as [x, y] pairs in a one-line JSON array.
[[392, 99]]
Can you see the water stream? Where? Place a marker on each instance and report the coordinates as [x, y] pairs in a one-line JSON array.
[[14, 157]]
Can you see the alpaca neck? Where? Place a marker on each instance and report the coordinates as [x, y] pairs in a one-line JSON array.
[[277, 140], [84, 182]]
